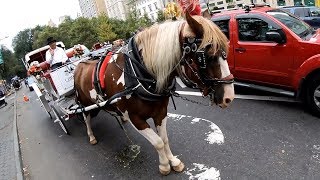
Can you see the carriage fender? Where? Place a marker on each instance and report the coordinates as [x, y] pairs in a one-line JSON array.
[[305, 69]]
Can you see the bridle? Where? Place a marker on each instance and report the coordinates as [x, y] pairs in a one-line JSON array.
[[190, 45]]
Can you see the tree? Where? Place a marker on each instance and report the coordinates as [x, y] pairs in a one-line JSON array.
[[22, 43], [104, 28], [84, 32], [11, 66], [42, 36]]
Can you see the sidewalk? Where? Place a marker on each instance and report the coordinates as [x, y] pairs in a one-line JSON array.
[[9, 158]]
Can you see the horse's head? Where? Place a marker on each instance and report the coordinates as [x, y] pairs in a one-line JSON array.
[[203, 48], [204, 63]]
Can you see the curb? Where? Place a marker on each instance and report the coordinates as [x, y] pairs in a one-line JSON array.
[[17, 153]]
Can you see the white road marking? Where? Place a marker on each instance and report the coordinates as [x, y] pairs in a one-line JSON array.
[[214, 136], [203, 172]]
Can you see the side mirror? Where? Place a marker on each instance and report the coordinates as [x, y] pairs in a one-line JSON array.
[[275, 37]]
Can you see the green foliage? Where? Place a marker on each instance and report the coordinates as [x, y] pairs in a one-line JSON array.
[[71, 32], [11, 66], [161, 17], [22, 43], [104, 28], [84, 32]]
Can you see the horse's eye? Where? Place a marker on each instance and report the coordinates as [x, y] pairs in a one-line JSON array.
[[208, 47], [213, 59]]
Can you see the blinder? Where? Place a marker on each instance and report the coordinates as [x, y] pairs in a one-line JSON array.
[[190, 45]]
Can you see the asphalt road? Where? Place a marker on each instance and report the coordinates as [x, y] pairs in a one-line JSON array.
[[248, 140]]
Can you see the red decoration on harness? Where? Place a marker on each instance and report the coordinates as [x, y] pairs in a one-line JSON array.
[[102, 70]]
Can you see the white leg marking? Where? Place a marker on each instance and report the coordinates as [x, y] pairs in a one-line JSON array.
[[121, 79], [89, 130], [162, 130], [157, 142]]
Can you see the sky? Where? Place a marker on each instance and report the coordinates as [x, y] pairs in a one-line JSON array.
[[17, 15]]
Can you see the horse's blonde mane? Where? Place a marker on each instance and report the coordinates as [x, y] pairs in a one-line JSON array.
[[212, 35], [161, 49]]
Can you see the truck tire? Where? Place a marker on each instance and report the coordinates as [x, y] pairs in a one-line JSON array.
[[313, 95]]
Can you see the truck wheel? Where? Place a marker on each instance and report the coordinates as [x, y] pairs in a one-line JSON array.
[[313, 95]]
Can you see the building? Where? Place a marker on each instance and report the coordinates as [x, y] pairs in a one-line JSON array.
[[117, 9], [92, 8], [101, 7], [51, 23], [149, 7]]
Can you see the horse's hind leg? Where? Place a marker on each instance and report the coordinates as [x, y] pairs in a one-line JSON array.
[[87, 119], [161, 125], [144, 129]]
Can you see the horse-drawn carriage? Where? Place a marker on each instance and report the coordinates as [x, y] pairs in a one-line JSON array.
[[137, 82], [54, 87]]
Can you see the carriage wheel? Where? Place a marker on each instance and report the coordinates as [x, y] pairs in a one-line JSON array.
[[60, 120]]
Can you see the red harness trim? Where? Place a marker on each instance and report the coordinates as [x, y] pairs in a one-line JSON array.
[[102, 70]]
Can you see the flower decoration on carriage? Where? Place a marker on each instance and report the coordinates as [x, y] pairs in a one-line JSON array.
[[78, 50], [172, 11], [34, 68], [191, 6]]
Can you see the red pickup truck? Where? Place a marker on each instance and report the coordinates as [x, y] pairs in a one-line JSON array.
[[273, 50]]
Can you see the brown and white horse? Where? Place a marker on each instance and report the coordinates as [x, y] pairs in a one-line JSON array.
[[195, 49]]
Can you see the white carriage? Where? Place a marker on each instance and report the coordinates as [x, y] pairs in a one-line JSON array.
[[55, 88]]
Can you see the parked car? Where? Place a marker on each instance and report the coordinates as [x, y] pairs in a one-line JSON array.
[[310, 14], [273, 50], [30, 81]]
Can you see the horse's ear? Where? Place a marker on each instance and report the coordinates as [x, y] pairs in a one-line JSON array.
[[194, 25]]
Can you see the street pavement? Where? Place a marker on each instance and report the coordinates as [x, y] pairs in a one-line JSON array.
[[8, 169], [249, 140]]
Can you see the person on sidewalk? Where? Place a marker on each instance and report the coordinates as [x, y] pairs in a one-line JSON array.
[[55, 56]]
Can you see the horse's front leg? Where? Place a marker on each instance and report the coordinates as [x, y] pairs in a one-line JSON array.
[[144, 129], [161, 125], [87, 119]]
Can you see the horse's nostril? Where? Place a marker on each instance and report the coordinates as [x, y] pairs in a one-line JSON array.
[[228, 100]]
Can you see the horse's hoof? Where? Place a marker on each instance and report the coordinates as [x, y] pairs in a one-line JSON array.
[[165, 172], [179, 168], [93, 142]]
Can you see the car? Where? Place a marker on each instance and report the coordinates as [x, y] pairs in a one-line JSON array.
[[30, 81], [310, 14], [273, 50]]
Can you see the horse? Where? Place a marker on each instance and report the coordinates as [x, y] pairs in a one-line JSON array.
[[143, 76]]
